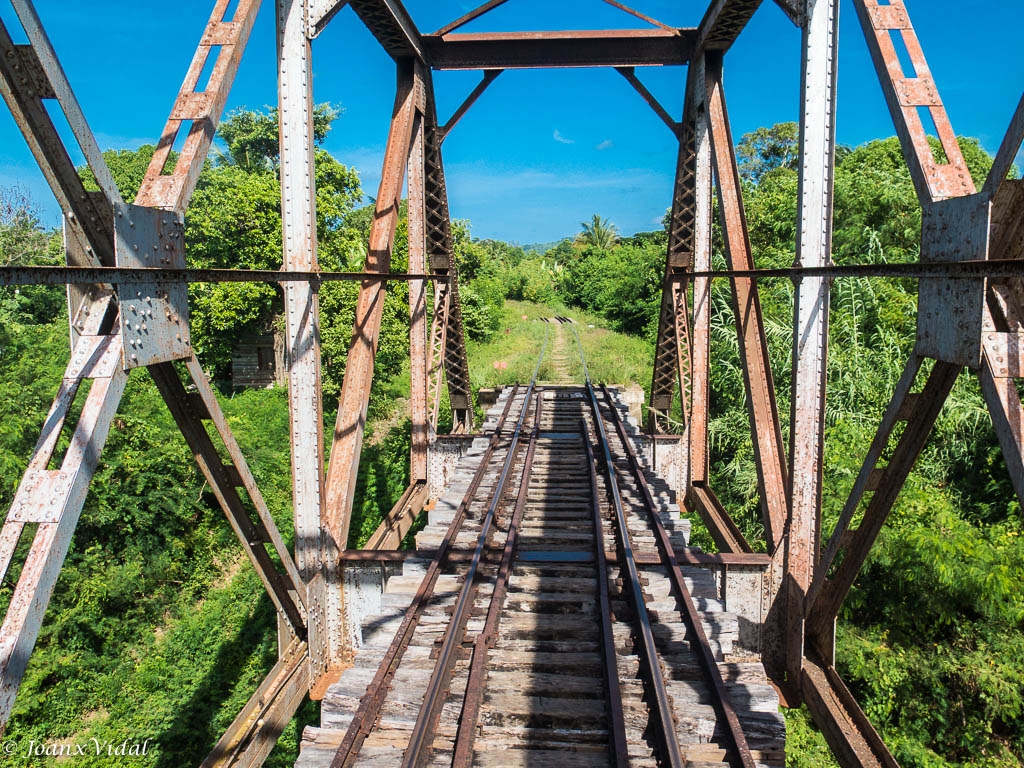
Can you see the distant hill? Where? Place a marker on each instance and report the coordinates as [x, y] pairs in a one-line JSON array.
[[542, 247]]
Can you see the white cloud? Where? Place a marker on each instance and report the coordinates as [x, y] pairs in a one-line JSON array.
[[606, 144], [481, 181], [561, 139]]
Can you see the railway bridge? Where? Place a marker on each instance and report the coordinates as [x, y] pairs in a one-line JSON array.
[[552, 612]]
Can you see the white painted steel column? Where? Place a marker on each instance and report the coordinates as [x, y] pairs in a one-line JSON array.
[[697, 423], [810, 340], [417, 306], [314, 548]]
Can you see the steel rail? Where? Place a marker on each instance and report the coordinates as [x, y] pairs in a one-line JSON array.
[[689, 613], [426, 720], [617, 732], [619, 740], [474, 698], [370, 705], [672, 753]]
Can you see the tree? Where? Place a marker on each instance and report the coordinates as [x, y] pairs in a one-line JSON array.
[[251, 136], [599, 233], [766, 149], [24, 242]]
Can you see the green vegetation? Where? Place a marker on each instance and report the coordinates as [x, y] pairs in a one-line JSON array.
[[158, 627]]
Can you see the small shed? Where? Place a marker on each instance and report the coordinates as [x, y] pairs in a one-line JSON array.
[[258, 361]]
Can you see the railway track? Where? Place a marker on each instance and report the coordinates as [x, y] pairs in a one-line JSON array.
[[553, 625]]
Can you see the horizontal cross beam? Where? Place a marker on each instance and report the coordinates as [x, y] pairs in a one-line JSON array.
[[89, 275], [391, 24], [121, 275], [530, 50]]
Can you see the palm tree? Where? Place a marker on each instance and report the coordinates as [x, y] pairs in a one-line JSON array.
[[599, 233]]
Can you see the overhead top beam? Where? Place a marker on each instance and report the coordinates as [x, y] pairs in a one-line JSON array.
[[723, 23], [593, 48], [392, 25]]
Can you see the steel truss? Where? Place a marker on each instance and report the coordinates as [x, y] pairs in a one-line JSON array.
[[127, 297], [966, 319]]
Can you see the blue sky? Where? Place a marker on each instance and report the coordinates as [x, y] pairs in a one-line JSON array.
[[542, 150]]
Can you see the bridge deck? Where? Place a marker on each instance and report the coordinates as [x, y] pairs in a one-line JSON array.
[[542, 673]]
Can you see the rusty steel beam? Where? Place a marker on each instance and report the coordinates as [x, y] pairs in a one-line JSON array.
[[810, 315], [906, 95], [190, 410], [853, 740], [391, 24], [447, 337], [319, 13], [397, 523], [254, 733], [53, 500], [794, 9], [684, 555], [590, 48], [171, 187], [920, 417], [1007, 152], [489, 77], [24, 84], [476, 13], [355, 390], [720, 525], [51, 81], [769, 453], [76, 275], [999, 388], [723, 22], [629, 73], [971, 268], [634, 12], [900, 406], [672, 355]]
